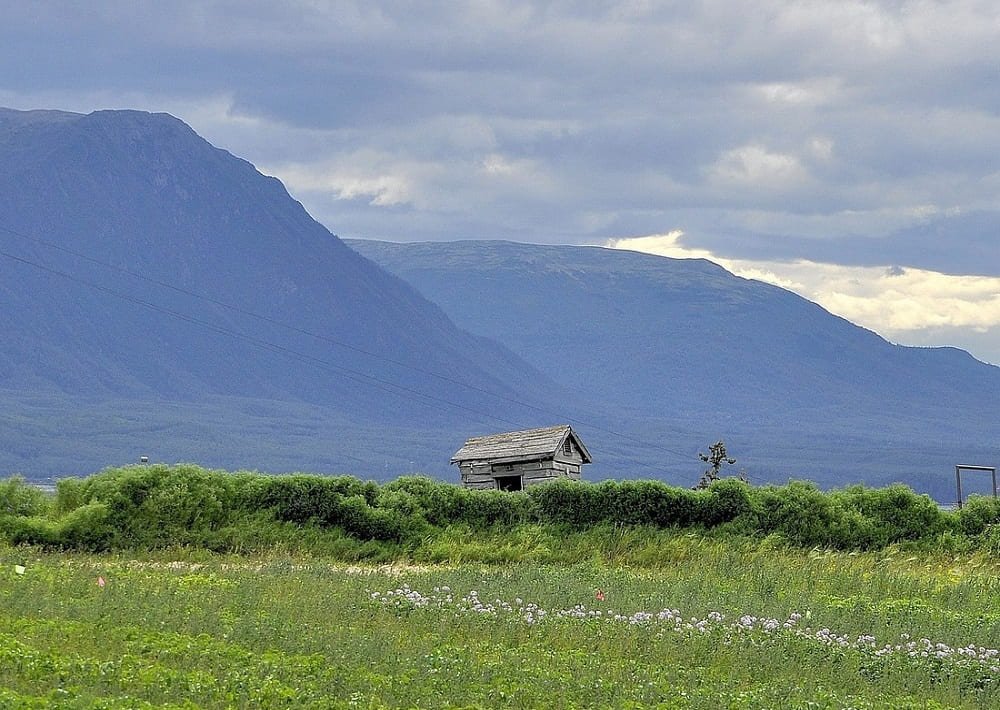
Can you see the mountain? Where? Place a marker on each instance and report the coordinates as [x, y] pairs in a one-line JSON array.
[[678, 352], [161, 297], [142, 267]]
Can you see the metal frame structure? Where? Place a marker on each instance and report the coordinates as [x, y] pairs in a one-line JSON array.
[[965, 467]]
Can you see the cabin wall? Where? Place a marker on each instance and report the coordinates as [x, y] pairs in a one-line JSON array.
[[482, 475], [477, 476], [573, 456]]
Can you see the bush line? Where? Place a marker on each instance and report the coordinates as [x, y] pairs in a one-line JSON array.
[[157, 506]]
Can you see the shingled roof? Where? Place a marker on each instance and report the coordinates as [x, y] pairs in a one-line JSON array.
[[527, 445]]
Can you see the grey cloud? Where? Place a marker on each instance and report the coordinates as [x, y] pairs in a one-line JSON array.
[[625, 112], [967, 243]]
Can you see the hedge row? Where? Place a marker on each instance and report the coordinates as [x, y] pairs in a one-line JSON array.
[[144, 507]]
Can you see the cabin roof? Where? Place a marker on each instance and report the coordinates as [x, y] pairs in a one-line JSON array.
[[526, 445]]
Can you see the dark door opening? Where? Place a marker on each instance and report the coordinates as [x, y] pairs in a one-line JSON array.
[[509, 483]]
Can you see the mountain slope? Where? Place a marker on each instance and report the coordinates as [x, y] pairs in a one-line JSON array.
[[688, 345], [110, 222]]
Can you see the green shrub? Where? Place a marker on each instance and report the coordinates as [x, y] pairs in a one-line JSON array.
[[636, 503], [364, 522], [977, 514], [69, 494], [17, 497], [799, 511], [486, 509], [439, 504], [572, 502], [300, 498], [725, 501], [851, 530], [894, 513], [22, 530], [155, 506], [87, 528], [143, 507], [989, 539]]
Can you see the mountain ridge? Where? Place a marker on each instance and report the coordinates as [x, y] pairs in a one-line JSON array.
[[649, 363], [106, 213], [683, 346]]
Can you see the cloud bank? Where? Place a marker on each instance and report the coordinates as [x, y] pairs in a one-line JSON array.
[[907, 305], [822, 133]]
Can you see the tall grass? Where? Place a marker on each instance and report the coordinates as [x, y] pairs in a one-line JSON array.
[[189, 628]]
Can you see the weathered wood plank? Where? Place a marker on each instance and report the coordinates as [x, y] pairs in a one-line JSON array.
[[536, 455]]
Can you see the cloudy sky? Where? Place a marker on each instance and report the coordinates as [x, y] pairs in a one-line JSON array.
[[847, 150]]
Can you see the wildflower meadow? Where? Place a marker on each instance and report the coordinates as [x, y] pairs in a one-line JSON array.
[[179, 587], [727, 625]]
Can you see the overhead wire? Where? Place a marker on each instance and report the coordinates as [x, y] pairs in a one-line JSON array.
[[351, 374], [340, 343]]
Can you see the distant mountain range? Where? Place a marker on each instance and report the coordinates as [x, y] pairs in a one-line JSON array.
[[161, 297], [143, 266], [681, 351]]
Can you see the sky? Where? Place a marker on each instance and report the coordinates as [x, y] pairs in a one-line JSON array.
[[849, 151]]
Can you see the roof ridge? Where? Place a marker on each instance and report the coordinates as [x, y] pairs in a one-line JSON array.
[[524, 442]]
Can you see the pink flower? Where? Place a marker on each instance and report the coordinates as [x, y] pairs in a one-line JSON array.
[[101, 582], [600, 595]]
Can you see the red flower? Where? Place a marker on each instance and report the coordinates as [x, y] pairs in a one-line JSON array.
[[600, 595]]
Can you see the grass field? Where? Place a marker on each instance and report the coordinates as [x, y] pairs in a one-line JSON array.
[[710, 623]]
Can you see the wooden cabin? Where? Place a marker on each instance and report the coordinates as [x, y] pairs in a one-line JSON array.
[[515, 459]]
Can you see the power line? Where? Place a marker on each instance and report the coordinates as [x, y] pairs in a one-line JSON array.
[[351, 374], [339, 343], [348, 373], [252, 314]]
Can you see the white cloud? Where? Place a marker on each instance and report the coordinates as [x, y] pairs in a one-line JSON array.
[[859, 25], [808, 93], [820, 148], [385, 190], [378, 179], [496, 164], [896, 302], [757, 167]]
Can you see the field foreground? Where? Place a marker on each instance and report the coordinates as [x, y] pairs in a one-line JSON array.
[[727, 624]]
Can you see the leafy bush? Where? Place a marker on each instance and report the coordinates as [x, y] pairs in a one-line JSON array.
[[726, 501], [892, 514], [18, 497], [87, 528], [156, 506], [990, 539], [799, 512], [143, 507], [642, 503], [437, 503], [572, 502], [486, 509], [25, 530], [977, 514], [364, 522], [69, 494], [300, 498]]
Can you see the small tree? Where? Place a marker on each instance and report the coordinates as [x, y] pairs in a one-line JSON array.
[[715, 458]]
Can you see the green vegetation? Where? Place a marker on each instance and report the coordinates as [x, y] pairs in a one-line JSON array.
[[151, 507], [176, 586], [718, 623]]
